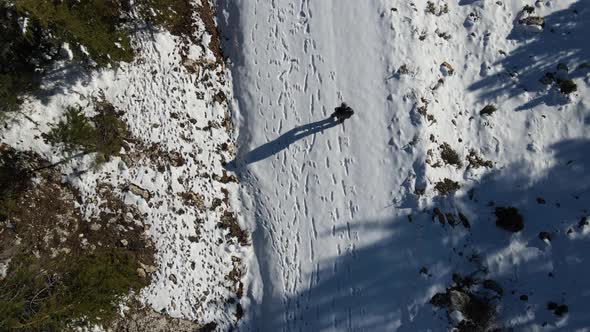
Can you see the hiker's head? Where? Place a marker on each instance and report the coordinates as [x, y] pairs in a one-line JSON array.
[[343, 105]]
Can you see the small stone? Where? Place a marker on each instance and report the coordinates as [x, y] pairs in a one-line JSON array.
[[488, 110], [138, 191], [459, 301], [509, 219], [141, 272], [440, 300], [545, 236], [447, 69], [583, 222], [535, 21], [494, 286], [561, 310], [148, 268], [464, 220], [124, 242]]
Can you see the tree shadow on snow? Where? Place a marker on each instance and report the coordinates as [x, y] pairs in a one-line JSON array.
[[67, 74], [563, 40], [380, 287], [281, 143]]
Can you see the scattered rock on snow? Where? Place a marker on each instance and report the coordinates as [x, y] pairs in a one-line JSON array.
[[148, 268], [558, 309], [464, 220], [509, 219], [475, 161], [447, 69], [440, 300], [545, 236], [488, 110], [138, 191], [493, 285], [141, 272], [583, 222], [533, 21], [438, 214]]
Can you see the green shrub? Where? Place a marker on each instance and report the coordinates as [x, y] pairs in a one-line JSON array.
[[75, 132], [58, 295], [94, 24], [103, 133], [94, 29], [110, 130]]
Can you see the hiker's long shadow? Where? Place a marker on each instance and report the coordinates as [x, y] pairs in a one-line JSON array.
[[281, 143]]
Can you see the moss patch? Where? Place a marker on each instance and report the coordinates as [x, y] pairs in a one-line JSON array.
[[54, 295]]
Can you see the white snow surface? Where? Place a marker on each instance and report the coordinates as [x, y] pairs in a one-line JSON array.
[[340, 233]]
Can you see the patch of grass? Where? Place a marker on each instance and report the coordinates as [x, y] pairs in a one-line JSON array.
[[103, 133], [174, 15], [447, 186], [229, 222], [476, 161], [58, 295], [450, 156]]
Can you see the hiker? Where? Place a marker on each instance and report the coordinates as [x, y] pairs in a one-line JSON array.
[[342, 112]]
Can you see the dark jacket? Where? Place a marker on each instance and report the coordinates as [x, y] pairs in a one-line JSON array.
[[342, 112]]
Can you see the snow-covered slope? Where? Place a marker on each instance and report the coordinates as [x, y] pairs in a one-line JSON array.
[[350, 230], [172, 98]]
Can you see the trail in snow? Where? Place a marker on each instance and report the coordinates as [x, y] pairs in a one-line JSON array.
[[344, 214], [320, 184]]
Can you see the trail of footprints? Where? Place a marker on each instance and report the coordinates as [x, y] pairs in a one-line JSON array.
[[298, 214]]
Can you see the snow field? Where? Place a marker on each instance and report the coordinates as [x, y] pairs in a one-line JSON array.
[[343, 214]]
